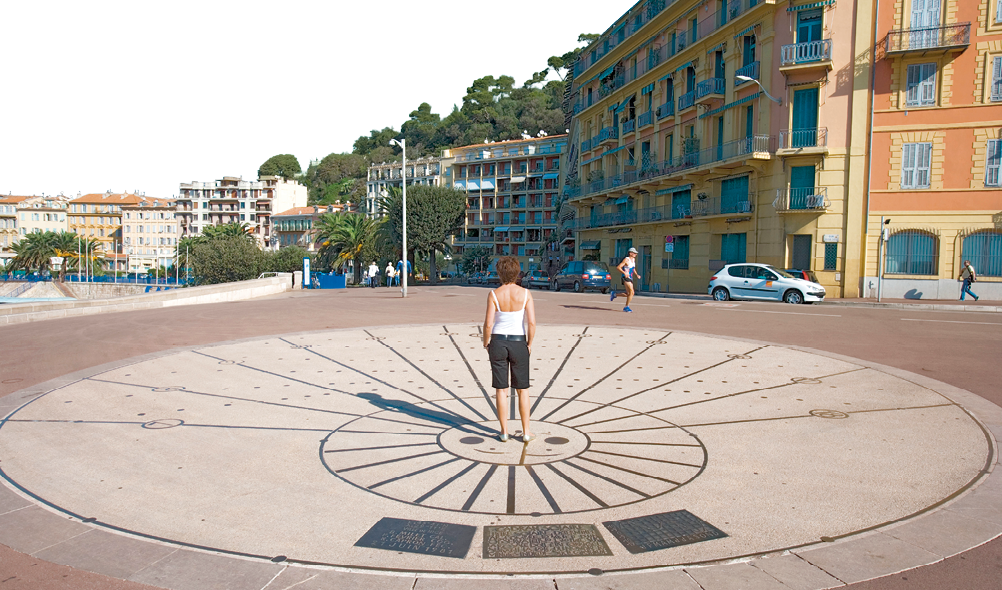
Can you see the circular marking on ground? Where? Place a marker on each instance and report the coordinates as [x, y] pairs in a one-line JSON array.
[[397, 422], [830, 414]]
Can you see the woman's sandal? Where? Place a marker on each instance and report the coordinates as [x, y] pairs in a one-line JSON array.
[[503, 437], [528, 439]]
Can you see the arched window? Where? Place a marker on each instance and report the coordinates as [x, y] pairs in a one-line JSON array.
[[912, 252], [984, 250]]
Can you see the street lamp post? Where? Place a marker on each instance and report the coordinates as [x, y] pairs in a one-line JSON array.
[[402, 143], [778, 101]]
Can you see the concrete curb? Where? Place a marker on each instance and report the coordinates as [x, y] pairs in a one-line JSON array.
[[38, 311], [922, 306]]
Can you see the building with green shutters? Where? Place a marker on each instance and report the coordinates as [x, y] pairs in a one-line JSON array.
[[722, 131]]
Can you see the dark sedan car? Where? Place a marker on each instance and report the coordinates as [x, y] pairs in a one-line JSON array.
[[536, 278], [582, 275]]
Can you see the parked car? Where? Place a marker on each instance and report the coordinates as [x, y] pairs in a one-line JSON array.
[[475, 278], [582, 275], [491, 278], [538, 279], [762, 281], [807, 275]]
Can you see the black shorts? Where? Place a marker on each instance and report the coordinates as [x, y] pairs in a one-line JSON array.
[[509, 356]]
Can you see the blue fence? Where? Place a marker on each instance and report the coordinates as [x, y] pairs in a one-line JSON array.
[[72, 278]]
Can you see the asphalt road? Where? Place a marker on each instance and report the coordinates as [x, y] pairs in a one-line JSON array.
[[957, 347]]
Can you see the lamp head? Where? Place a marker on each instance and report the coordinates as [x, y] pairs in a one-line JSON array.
[[744, 78]]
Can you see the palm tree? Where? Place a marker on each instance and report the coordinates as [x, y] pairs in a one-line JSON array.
[[34, 250], [227, 230], [347, 236]]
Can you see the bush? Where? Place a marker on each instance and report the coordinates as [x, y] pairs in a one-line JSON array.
[[288, 259], [225, 260]]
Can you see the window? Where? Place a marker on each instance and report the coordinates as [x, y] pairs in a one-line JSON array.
[[921, 85], [916, 161], [680, 256], [912, 252], [998, 17], [732, 248], [996, 89], [984, 250], [993, 160]]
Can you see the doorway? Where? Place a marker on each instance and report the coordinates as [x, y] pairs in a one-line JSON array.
[[800, 258], [645, 268]]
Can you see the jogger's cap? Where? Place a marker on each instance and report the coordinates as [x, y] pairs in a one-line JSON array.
[[634, 250]]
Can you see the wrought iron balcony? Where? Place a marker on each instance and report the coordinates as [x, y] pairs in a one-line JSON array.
[[606, 134], [666, 110], [929, 38], [629, 126], [645, 119], [751, 71], [686, 101], [586, 145], [812, 52], [710, 86], [722, 206], [801, 199], [803, 138]]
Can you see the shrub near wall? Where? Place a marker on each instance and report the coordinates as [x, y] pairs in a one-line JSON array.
[[225, 260]]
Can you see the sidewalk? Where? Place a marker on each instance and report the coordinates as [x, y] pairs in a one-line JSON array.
[[927, 304]]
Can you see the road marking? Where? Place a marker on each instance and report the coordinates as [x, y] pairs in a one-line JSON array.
[[952, 322], [823, 315]]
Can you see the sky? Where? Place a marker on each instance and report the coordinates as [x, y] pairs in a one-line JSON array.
[[142, 96]]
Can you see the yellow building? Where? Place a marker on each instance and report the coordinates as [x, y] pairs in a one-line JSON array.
[[41, 214], [99, 216], [707, 133]]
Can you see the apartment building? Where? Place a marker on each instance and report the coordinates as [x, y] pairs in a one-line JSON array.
[[512, 190], [99, 216], [9, 228], [297, 226], [707, 133], [234, 200], [937, 109], [422, 171], [150, 232]]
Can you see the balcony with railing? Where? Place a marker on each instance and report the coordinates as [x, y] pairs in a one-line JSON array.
[[606, 134], [805, 56], [710, 88], [751, 71], [730, 205], [801, 141], [645, 119], [687, 101], [806, 200], [629, 126], [586, 145], [729, 154], [944, 38], [666, 110]]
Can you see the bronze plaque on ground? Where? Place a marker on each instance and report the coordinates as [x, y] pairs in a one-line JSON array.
[[543, 540], [419, 536], [662, 531]]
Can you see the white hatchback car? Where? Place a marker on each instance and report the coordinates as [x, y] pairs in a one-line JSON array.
[[762, 281]]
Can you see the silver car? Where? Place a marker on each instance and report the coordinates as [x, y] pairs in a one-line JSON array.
[[762, 281]]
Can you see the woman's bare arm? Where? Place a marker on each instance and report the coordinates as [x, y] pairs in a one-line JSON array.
[[530, 318], [488, 320]]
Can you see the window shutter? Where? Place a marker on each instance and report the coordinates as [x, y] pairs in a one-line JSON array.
[[997, 75], [923, 165], [998, 12], [914, 75], [994, 161], [928, 94], [908, 165]]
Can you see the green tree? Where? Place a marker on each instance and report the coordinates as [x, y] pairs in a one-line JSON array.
[[337, 177], [228, 230], [476, 259], [434, 213], [287, 259], [34, 250], [225, 259], [377, 139], [344, 237], [284, 165]]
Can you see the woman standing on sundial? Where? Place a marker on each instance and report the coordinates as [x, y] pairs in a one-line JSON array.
[[509, 327]]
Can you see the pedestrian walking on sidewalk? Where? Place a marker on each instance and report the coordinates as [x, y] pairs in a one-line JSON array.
[[373, 274], [509, 327], [389, 274], [629, 269], [969, 277]]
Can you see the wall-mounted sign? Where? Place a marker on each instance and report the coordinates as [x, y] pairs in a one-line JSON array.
[[831, 238], [669, 239], [669, 247]]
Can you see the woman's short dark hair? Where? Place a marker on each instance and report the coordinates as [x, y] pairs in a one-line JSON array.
[[508, 268]]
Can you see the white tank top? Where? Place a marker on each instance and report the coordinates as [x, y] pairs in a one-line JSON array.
[[509, 323], [630, 265]]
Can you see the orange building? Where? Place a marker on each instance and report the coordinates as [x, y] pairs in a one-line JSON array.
[[936, 148], [99, 216]]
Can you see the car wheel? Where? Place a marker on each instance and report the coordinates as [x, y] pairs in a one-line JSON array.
[[793, 296], [605, 291], [577, 286], [556, 286], [721, 294]]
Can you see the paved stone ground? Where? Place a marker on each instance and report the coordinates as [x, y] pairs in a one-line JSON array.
[[754, 438]]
